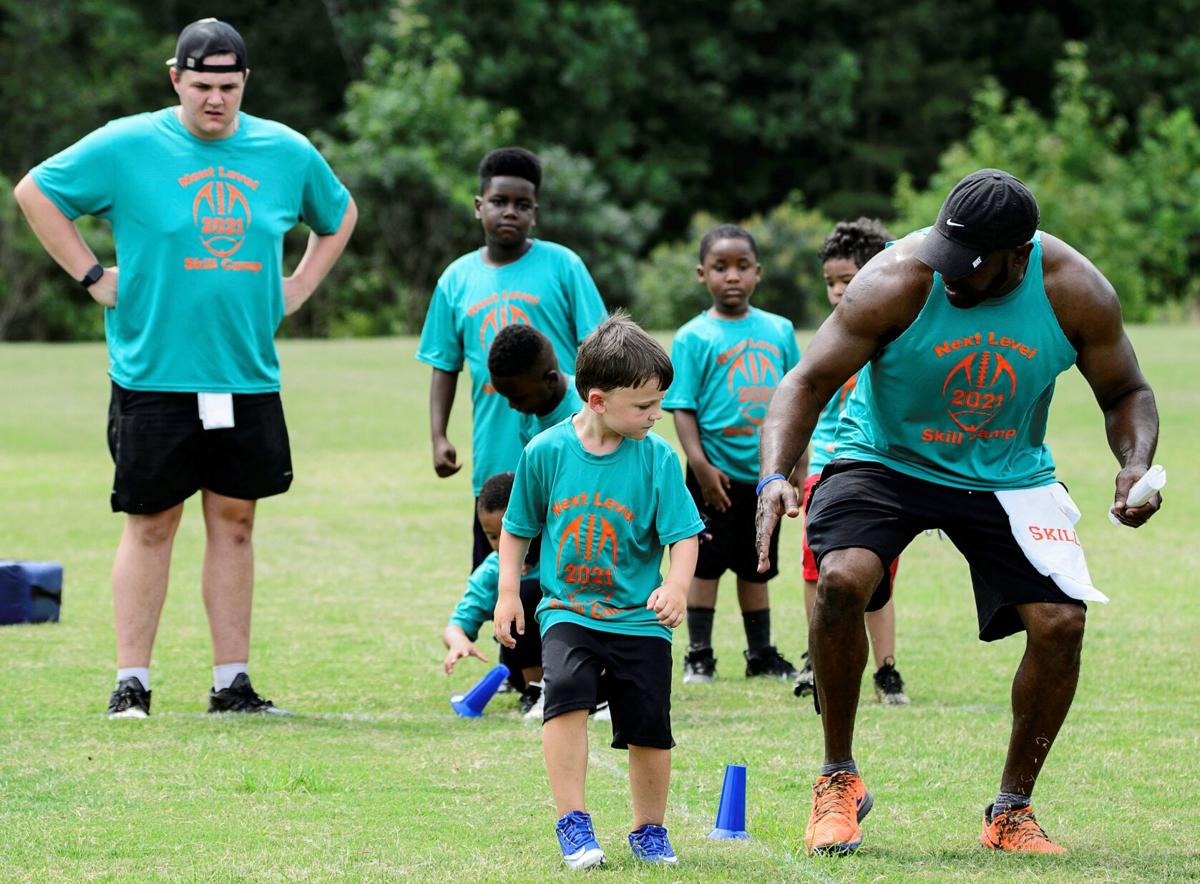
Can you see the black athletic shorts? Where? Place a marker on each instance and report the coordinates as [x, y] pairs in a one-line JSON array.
[[867, 505], [732, 544], [528, 652], [635, 670], [163, 454]]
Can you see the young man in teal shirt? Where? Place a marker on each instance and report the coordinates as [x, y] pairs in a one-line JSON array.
[[606, 496], [728, 361], [199, 197], [512, 280]]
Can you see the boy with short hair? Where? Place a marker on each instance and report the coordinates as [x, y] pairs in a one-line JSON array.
[[524, 370], [606, 496], [512, 280], [849, 246], [729, 360], [524, 661]]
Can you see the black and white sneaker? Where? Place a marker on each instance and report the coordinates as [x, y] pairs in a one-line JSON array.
[[805, 683], [531, 704], [768, 662], [889, 686], [129, 700], [699, 666], [241, 697]]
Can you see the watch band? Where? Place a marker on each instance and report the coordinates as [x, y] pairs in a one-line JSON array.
[[92, 276]]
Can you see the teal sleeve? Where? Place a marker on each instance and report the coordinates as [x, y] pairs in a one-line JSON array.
[[323, 205], [676, 516], [526, 513], [79, 180], [685, 389], [479, 600], [588, 307], [441, 344]]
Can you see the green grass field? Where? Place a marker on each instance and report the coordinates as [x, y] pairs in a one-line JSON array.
[[358, 567]]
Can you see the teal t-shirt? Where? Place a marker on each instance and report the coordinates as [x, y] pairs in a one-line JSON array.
[[199, 231], [479, 600], [532, 424], [604, 521], [727, 371], [962, 397], [821, 446], [548, 288]]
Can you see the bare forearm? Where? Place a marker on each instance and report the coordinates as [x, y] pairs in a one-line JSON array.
[[788, 426], [318, 259], [687, 428], [684, 554], [1131, 424], [442, 387], [55, 231], [513, 550]]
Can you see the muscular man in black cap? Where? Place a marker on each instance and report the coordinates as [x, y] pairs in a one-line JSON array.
[[962, 330]]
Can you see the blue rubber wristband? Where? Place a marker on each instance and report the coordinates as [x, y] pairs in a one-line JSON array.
[[766, 480]]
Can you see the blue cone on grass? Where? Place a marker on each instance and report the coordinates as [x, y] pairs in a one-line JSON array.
[[470, 704], [731, 812]]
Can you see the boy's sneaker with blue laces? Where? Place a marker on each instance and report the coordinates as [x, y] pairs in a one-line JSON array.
[[580, 849], [650, 844]]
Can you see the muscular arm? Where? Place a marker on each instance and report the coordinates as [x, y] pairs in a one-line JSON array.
[[319, 257], [882, 300], [1089, 312], [442, 386], [60, 238]]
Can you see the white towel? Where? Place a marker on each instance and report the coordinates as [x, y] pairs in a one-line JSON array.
[[1043, 522]]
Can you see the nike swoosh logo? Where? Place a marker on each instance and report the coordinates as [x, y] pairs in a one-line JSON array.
[[950, 222]]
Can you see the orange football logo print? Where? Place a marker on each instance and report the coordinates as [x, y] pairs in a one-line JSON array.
[[589, 542], [977, 387], [500, 317], [752, 376], [222, 213]]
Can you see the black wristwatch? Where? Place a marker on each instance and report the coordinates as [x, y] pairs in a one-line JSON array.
[[92, 276]]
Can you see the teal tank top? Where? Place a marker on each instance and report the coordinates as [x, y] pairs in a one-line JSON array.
[[962, 397]]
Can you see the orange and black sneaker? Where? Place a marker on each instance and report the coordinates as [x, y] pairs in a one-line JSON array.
[[839, 804], [1017, 831]]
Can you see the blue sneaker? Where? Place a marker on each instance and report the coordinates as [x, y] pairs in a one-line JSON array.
[[650, 844], [577, 839]]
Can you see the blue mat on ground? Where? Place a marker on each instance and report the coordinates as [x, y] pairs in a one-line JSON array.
[[30, 592]]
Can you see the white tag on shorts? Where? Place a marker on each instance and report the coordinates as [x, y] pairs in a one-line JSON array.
[[216, 410]]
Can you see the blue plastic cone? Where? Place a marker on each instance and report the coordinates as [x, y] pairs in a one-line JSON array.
[[470, 705], [731, 812]]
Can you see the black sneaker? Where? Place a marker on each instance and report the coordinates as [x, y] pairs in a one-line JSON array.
[[241, 697], [129, 700], [889, 686], [805, 682], [699, 666], [768, 662], [531, 700]]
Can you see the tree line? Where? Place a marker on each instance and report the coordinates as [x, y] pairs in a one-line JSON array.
[[654, 121]]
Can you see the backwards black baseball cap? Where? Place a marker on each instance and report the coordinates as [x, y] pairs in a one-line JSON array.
[[208, 37], [988, 211]]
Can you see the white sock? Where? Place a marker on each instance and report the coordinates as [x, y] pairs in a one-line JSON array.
[[225, 673], [141, 673]]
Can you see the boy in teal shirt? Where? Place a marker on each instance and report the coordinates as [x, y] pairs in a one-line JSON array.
[[512, 280], [606, 496], [524, 662], [525, 372], [728, 360]]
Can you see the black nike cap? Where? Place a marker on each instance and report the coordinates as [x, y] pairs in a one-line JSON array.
[[988, 211], [208, 37]]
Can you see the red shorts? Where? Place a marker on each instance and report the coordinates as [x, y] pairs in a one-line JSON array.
[[810, 561]]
